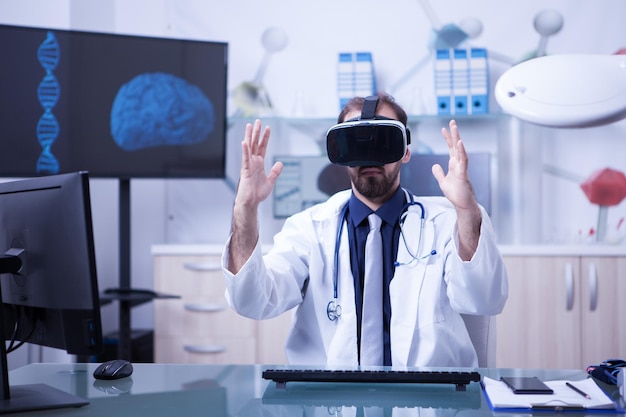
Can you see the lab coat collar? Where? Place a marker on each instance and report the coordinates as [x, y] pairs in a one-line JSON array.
[[433, 206], [333, 208]]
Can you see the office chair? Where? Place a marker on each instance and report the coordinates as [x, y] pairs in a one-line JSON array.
[[482, 331]]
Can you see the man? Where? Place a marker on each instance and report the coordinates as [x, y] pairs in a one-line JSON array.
[[439, 255]]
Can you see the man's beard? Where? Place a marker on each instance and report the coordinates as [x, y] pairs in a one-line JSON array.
[[375, 186]]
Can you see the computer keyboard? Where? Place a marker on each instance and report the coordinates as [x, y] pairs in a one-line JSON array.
[[458, 378]]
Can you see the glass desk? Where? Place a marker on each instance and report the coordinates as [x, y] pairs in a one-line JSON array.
[[239, 390]]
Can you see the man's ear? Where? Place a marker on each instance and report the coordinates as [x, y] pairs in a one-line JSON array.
[[407, 156]]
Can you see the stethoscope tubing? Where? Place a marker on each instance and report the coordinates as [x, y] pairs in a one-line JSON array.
[[333, 309]]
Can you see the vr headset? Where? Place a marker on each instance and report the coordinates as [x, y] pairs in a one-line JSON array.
[[369, 140]]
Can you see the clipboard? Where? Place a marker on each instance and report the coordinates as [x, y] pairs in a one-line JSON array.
[[501, 398]]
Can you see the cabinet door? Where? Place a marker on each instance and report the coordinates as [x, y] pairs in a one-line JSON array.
[[199, 327], [603, 288], [540, 324]]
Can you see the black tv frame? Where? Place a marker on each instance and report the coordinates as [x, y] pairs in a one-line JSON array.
[[80, 82]]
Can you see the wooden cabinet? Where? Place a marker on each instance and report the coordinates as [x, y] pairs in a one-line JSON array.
[[563, 311], [603, 290], [199, 327]]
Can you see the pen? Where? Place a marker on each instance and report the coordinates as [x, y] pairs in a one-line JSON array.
[[581, 392]]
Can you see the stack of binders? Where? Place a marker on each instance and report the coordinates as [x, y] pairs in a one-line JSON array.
[[462, 81], [355, 76]]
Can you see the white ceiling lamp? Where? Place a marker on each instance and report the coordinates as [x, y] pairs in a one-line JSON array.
[[571, 90]]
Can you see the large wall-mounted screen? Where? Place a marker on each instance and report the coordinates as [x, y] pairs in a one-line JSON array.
[[115, 105]]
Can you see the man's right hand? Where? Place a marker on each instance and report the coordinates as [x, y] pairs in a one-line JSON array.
[[254, 187]]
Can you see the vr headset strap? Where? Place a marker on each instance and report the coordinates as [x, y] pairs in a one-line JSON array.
[[369, 108], [369, 112]]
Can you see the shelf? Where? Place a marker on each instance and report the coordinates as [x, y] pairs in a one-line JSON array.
[[412, 118], [133, 296]]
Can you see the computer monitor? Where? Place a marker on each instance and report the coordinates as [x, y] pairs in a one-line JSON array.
[[309, 180], [48, 278]]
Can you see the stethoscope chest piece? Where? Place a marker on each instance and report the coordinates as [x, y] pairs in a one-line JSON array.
[[333, 310]]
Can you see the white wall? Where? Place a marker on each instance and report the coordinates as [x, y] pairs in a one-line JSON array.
[[397, 33]]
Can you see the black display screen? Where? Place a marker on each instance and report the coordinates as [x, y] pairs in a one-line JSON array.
[[117, 106]]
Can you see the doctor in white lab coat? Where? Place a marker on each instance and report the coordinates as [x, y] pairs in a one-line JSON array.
[[458, 269]]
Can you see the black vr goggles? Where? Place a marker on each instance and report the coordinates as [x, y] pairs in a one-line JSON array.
[[369, 140]]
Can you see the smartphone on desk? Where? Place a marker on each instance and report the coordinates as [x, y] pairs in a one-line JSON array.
[[526, 385]]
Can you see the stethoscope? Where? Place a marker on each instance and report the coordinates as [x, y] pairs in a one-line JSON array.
[[333, 309]]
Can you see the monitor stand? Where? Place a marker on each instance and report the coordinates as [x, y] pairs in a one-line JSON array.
[[38, 397], [19, 398]]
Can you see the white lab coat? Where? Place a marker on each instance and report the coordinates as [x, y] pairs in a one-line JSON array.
[[427, 296]]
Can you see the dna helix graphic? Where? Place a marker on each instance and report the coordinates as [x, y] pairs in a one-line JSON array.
[[48, 93]]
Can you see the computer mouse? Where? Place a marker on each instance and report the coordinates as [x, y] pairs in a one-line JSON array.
[[113, 369]]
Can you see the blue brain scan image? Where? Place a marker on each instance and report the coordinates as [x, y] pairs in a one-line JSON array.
[[159, 109]]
